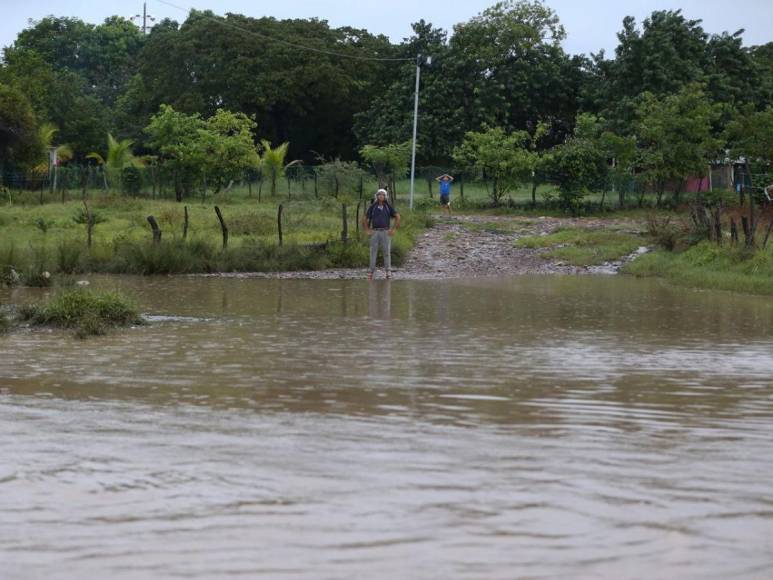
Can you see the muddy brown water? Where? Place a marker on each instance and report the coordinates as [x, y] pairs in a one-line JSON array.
[[492, 428]]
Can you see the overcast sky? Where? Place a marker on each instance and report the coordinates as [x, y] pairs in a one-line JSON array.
[[590, 24]]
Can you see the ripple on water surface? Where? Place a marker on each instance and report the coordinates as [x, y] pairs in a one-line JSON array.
[[482, 429]]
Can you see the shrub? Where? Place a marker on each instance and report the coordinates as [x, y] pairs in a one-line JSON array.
[[168, 257], [42, 224], [131, 179], [37, 272], [81, 217], [664, 232], [68, 257]]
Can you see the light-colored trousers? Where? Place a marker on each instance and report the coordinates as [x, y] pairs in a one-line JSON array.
[[380, 238]]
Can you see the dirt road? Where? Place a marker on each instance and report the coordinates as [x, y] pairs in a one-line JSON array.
[[474, 246]]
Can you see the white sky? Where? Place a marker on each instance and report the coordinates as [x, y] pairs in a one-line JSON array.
[[590, 24]]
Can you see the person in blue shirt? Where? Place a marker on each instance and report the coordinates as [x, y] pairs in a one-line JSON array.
[[445, 181]]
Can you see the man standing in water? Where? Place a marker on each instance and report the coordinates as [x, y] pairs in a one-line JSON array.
[[445, 192], [376, 223]]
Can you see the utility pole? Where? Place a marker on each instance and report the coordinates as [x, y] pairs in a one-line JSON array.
[[428, 61], [145, 17]]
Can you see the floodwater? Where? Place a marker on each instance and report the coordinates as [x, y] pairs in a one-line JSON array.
[[548, 427]]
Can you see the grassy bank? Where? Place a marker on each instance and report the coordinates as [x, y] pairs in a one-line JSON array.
[[709, 266], [584, 246], [48, 239], [87, 312]]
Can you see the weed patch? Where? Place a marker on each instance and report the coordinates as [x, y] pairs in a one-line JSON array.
[[88, 312]]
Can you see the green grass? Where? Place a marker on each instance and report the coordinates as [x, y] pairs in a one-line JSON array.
[[583, 246], [709, 266], [88, 312], [122, 239]]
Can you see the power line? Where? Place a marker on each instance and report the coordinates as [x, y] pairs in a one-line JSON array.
[[224, 22]]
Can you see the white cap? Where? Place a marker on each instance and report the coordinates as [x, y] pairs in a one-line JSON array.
[[380, 191]]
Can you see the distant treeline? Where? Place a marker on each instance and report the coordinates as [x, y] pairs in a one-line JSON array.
[[504, 68]]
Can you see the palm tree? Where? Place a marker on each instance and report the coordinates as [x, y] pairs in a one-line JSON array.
[[119, 156], [272, 162], [46, 133]]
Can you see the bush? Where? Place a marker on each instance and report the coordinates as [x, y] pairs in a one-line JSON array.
[[88, 312], [663, 232], [131, 179], [168, 257], [82, 217], [37, 273], [69, 257], [42, 224], [707, 265]]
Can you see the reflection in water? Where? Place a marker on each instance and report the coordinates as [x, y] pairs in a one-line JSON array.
[[379, 299], [582, 427]]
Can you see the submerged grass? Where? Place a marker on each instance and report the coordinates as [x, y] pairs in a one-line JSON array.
[[584, 246], [709, 266], [88, 312]]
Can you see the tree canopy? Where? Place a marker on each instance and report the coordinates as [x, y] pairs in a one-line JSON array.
[[330, 91]]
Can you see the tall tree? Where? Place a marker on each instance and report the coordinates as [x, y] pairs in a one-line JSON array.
[[19, 138], [504, 159], [675, 137]]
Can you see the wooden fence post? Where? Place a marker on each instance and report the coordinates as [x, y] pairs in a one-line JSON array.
[[345, 224], [357, 219], [222, 227], [718, 224], [279, 222], [185, 223], [767, 234], [156, 230], [89, 224]]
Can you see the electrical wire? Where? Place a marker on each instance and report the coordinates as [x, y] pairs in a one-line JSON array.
[[224, 22]]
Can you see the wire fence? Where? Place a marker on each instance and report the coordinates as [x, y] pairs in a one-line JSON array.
[[346, 181]]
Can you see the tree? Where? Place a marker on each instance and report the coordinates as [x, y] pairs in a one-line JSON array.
[[19, 137], [577, 166], [675, 138], [750, 135], [61, 153], [618, 150], [388, 162], [227, 145], [59, 97], [504, 67], [306, 97], [272, 162], [339, 175], [119, 157], [103, 56], [175, 136], [505, 159]]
